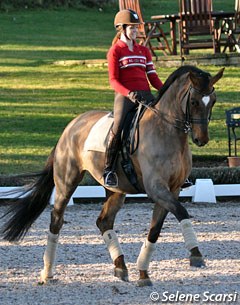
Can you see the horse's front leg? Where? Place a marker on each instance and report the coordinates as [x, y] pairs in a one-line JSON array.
[[167, 202], [196, 258], [148, 247], [105, 223]]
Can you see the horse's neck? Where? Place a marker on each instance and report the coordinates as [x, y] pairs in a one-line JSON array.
[[170, 102], [169, 116]]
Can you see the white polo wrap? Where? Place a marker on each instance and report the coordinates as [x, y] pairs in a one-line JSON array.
[[49, 255], [188, 234], [145, 255], [111, 240]]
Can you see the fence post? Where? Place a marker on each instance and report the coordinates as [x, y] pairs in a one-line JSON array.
[[204, 191]]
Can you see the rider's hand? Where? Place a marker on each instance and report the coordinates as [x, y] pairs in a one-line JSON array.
[[135, 97], [152, 102]]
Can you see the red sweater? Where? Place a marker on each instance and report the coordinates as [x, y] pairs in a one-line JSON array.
[[131, 71]]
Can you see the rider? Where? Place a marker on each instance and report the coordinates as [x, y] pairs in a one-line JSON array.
[[130, 70]]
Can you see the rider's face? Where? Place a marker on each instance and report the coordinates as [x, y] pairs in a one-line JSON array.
[[131, 31]]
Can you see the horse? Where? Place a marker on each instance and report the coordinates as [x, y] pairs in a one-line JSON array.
[[161, 162]]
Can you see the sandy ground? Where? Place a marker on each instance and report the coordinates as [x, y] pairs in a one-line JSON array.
[[84, 270]]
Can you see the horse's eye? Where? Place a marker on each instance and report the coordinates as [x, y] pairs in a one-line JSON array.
[[194, 102]]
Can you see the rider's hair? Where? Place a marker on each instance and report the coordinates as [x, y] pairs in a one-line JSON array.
[[120, 30]]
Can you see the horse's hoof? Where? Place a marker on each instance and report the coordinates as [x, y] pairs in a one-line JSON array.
[[45, 279], [197, 261], [144, 282], [122, 274], [49, 280]]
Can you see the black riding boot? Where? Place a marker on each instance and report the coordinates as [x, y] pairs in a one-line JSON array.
[[110, 177]]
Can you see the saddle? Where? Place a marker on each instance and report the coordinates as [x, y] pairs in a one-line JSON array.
[[97, 140]]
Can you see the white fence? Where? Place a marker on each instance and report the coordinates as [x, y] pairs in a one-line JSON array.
[[203, 191]]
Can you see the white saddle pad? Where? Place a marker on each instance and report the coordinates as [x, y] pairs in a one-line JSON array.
[[97, 137]]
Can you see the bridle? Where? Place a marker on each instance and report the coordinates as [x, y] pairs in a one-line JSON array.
[[188, 121], [186, 124]]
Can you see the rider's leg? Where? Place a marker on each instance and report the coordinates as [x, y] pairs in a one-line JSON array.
[[113, 146], [122, 106]]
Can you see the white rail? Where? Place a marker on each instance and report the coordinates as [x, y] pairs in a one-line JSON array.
[[202, 191]]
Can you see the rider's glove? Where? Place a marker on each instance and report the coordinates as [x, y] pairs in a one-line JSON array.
[[135, 97], [151, 103]]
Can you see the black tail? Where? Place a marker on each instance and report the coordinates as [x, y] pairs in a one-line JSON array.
[[25, 210]]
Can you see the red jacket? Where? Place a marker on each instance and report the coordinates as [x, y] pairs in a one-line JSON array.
[[131, 71]]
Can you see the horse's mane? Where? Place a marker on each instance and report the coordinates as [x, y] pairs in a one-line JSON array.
[[178, 73]]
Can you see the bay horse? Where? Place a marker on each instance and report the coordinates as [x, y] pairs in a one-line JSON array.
[[162, 162]]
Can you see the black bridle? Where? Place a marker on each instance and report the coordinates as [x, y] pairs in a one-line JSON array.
[[188, 119], [186, 124]]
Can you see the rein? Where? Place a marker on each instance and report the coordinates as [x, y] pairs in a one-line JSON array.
[[188, 121]]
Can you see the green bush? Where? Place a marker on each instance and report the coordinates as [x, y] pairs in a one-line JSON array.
[[219, 175], [26, 4]]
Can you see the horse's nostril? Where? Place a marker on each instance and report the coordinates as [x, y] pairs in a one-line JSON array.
[[196, 141], [199, 142]]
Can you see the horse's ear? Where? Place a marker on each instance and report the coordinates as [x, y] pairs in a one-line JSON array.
[[193, 78], [215, 78]]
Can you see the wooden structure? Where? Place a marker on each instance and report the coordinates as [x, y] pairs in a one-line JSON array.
[[150, 33], [233, 123], [196, 27], [231, 27]]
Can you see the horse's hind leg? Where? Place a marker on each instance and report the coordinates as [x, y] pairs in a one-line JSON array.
[[105, 223], [64, 190], [148, 247]]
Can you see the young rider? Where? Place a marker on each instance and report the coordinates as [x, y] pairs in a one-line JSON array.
[[130, 71]]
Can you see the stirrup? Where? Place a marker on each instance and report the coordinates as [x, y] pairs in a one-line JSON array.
[[186, 184], [111, 179]]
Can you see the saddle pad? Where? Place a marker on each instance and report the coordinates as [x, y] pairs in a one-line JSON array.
[[96, 139]]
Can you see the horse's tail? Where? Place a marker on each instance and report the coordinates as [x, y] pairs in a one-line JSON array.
[[29, 204]]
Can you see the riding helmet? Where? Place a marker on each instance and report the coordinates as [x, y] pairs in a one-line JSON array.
[[127, 17]]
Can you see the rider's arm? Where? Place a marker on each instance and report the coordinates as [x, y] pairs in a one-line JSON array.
[[151, 72], [113, 71]]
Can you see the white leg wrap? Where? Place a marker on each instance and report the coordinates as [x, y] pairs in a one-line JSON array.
[[111, 240], [188, 234], [145, 255], [49, 256]]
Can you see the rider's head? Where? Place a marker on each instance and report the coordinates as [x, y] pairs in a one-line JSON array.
[[125, 18]]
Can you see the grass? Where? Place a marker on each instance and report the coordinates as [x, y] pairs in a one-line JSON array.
[[38, 98]]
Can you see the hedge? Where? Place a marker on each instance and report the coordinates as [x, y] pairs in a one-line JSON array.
[[219, 175], [26, 4]]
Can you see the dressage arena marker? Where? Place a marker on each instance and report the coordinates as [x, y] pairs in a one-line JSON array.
[[203, 191]]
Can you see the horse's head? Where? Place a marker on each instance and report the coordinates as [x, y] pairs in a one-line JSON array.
[[198, 102]]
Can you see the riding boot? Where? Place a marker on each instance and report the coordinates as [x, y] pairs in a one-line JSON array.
[[110, 176]]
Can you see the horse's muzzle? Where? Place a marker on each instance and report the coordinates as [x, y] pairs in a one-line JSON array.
[[200, 142]]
